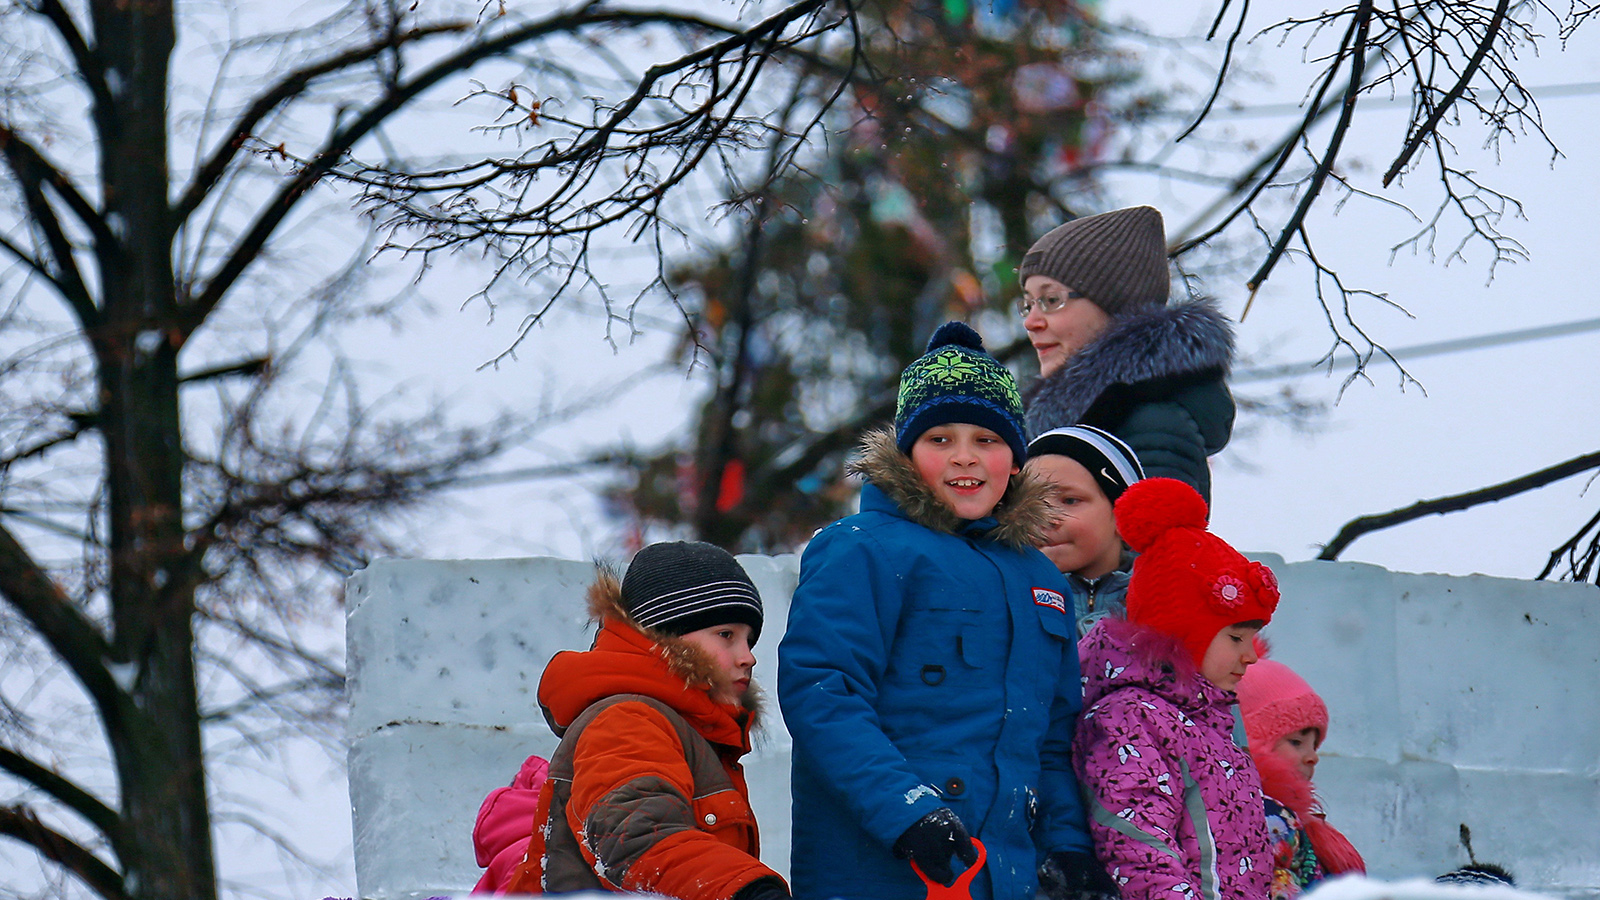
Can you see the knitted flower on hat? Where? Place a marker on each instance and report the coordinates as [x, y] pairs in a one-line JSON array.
[[1187, 582], [956, 380]]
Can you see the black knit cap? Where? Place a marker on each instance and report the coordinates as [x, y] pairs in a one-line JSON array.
[[1117, 259], [683, 586], [1111, 463]]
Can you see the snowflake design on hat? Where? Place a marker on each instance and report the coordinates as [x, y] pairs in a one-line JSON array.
[[952, 367], [1228, 591]]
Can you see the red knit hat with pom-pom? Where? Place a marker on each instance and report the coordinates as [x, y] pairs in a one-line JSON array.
[[1187, 582]]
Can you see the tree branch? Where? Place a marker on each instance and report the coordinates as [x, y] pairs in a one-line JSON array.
[[33, 172], [26, 586], [1357, 53], [1418, 137], [287, 88], [68, 793], [315, 168], [1455, 503], [83, 58], [20, 823]]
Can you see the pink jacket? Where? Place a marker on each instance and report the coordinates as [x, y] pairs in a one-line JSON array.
[[505, 822], [1175, 805]]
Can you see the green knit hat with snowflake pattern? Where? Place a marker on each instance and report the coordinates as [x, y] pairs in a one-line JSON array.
[[956, 380]]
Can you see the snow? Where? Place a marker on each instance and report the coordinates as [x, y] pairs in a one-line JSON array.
[[1454, 701]]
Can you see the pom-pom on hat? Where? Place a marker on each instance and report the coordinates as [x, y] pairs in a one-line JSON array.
[[956, 380], [681, 586], [1275, 701], [1187, 582], [1117, 259], [1111, 463]]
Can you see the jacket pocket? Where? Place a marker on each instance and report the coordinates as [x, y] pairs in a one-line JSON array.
[[1056, 622], [727, 816]]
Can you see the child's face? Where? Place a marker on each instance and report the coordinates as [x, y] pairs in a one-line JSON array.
[[1299, 749], [728, 647], [967, 467], [1231, 652], [1083, 532]]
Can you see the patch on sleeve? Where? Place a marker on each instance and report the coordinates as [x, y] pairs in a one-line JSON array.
[[1052, 599]]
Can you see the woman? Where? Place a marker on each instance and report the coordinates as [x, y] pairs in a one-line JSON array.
[[1114, 355]]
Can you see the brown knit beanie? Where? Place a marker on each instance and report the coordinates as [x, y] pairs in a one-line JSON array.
[[1118, 259]]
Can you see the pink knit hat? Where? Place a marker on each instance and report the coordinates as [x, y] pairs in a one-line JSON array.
[[1275, 701]]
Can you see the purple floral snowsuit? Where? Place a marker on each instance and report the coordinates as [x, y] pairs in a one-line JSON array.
[[1175, 804]]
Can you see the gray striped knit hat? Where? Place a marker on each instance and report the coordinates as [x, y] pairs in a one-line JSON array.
[[1117, 259], [682, 586]]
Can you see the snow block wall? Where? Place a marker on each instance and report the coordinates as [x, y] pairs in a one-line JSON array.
[[443, 659], [1455, 702]]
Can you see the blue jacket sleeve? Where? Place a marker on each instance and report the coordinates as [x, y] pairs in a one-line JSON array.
[[1063, 823], [842, 621]]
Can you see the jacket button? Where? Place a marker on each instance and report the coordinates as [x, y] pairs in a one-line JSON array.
[[711, 818], [955, 787]]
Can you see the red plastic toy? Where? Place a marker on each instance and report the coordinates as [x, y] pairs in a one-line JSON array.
[[962, 888]]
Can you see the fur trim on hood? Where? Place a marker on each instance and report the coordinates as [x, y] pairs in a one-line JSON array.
[[1285, 784], [1184, 340], [683, 659], [1022, 517]]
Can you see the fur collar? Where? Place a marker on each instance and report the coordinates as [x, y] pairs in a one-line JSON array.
[[1021, 519], [683, 659], [1178, 341]]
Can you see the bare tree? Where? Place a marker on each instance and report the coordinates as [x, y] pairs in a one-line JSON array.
[[168, 516]]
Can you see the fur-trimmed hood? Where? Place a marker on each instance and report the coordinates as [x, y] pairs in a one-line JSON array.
[[1020, 520], [627, 658], [1184, 341]]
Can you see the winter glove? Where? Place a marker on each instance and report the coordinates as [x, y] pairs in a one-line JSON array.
[[930, 842], [1075, 875], [768, 888]]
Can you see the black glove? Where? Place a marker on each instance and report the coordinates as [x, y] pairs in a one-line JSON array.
[[1075, 875], [768, 888], [932, 840]]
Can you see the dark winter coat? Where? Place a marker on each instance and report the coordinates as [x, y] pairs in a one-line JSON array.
[[929, 661], [1155, 379], [1175, 802], [645, 792]]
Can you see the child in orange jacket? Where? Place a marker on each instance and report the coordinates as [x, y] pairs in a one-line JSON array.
[[645, 793]]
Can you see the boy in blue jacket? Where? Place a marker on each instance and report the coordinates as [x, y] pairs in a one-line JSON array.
[[929, 673]]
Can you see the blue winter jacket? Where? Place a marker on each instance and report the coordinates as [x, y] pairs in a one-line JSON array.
[[929, 662]]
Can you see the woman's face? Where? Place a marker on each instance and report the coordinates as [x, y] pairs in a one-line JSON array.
[[1073, 320]]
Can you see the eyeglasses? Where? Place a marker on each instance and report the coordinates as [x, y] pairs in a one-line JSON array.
[[1046, 304]]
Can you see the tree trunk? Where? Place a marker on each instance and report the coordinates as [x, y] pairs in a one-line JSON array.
[[155, 735]]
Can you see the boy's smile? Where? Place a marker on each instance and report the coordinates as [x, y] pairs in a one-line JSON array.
[[967, 466]]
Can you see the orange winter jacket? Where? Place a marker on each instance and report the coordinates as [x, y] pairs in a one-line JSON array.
[[645, 792]]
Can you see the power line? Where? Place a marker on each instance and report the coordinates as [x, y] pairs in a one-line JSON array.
[[1270, 110], [1437, 348]]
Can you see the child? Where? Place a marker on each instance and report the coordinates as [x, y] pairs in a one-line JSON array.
[[1175, 803], [645, 792], [929, 675], [1286, 722], [1087, 469]]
